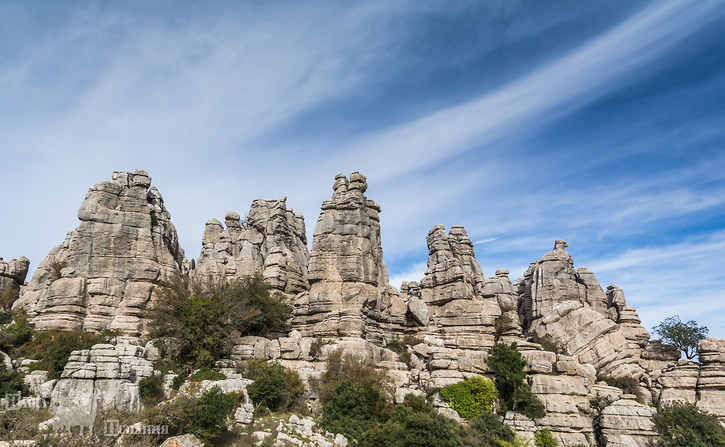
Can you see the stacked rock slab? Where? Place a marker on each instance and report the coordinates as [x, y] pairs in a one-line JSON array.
[[104, 273], [271, 242], [346, 270], [102, 378], [452, 290], [12, 277], [711, 383], [552, 280]]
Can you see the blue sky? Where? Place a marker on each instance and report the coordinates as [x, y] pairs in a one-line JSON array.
[[600, 123]]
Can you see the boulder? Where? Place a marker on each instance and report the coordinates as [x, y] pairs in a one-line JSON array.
[[12, 277]]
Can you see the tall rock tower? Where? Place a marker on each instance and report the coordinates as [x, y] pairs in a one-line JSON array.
[[105, 272], [346, 263]]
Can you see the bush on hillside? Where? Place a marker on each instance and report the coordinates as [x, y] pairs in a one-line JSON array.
[[487, 430], [204, 317], [150, 388], [268, 386], [341, 367], [471, 397], [683, 424], [515, 394], [351, 409], [414, 423], [206, 374], [544, 438]]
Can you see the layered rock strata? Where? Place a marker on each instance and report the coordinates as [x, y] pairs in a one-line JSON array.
[[452, 290], [346, 272], [105, 272], [102, 378], [270, 242], [12, 277], [711, 382]]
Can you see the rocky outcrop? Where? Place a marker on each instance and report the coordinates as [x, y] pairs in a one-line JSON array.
[[346, 270], [452, 289], [12, 277], [552, 280], [586, 334], [102, 378], [711, 382], [105, 272], [270, 242], [627, 423]]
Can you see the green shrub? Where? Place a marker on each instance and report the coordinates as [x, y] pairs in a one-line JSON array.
[[471, 397], [211, 412], [52, 348], [414, 423], [544, 438], [683, 424], [268, 387], [5, 317], [526, 402], [251, 368], [11, 382], [204, 317], [206, 374], [341, 367], [487, 430], [150, 387], [515, 394], [351, 409], [292, 398], [177, 381]]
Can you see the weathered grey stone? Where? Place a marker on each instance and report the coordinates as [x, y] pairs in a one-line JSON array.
[[346, 268], [271, 242], [587, 335], [627, 423], [187, 440], [106, 271], [12, 277]]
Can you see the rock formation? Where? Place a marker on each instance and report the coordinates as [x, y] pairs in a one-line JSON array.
[[346, 270], [102, 378], [552, 280], [452, 290], [12, 277], [270, 242], [105, 272], [711, 381], [576, 338]]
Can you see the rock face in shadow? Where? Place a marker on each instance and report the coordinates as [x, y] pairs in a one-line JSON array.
[[105, 272], [346, 271], [12, 277], [270, 242]]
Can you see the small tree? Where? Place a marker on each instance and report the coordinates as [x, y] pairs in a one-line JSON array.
[[683, 336], [515, 394]]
